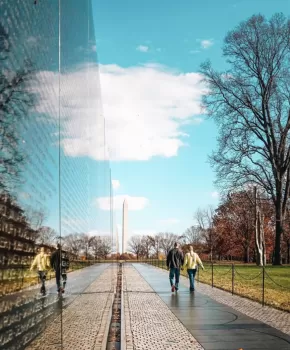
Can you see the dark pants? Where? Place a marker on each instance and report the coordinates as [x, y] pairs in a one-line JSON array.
[[42, 277], [58, 275], [191, 275], [174, 271]]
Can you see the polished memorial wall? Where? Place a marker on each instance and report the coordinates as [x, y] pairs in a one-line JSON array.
[[53, 158]]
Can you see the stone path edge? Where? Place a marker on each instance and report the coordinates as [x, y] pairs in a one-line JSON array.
[[102, 337], [123, 326]]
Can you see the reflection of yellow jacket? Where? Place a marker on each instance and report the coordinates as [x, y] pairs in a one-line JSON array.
[[192, 260], [41, 261]]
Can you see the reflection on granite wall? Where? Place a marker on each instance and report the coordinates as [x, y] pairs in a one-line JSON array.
[[53, 158]]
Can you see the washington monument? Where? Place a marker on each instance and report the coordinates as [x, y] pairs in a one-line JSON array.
[[125, 226]]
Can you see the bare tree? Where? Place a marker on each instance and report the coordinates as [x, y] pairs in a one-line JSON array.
[[135, 245], [73, 243], [35, 217], [46, 235], [251, 105], [147, 244], [15, 100], [155, 244], [87, 243], [96, 246], [204, 218], [193, 235], [167, 240], [106, 247]]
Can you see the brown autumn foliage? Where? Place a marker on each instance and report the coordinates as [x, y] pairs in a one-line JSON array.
[[234, 227]]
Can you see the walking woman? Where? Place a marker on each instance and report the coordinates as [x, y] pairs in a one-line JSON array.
[[191, 262], [41, 261]]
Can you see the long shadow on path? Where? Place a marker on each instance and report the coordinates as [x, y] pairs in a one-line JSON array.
[[214, 325]]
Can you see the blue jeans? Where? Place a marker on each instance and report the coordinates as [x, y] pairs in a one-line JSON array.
[[42, 278], [191, 275], [174, 271]]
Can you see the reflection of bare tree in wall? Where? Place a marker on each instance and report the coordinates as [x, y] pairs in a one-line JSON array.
[[35, 217], [46, 235], [15, 100]]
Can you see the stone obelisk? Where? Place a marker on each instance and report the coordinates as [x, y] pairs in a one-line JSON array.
[[125, 226]]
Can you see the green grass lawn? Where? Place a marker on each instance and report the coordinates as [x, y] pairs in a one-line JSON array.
[[248, 282]]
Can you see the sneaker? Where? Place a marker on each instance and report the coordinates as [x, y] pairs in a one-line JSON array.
[[173, 288]]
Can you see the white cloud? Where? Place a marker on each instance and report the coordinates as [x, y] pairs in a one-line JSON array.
[[146, 119], [116, 184], [145, 107], [171, 221], [205, 44], [134, 203], [215, 194], [142, 48]]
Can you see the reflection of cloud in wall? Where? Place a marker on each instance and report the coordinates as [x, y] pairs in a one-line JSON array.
[[142, 120], [80, 109], [115, 184]]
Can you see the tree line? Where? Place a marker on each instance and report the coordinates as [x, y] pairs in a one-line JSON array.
[[235, 230]]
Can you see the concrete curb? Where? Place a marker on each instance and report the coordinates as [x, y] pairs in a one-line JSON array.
[[123, 343], [102, 337]]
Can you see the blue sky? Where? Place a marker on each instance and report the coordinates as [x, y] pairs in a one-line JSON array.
[[132, 36]]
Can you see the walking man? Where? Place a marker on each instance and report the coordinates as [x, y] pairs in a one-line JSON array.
[[174, 262], [41, 261], [192, 260], [60, 263]]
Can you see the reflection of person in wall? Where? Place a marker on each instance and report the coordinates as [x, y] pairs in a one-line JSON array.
[[60, 263], [192, 260], [41, 262]]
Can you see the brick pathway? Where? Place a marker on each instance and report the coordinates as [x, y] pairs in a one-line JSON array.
[[84, 321], [149, 323]]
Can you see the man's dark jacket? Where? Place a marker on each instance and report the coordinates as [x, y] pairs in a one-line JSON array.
[[175, 258], [56, 259]]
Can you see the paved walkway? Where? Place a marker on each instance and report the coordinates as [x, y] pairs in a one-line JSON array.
[[25, 315], [84, 321], [212, 324], [149, 322], [153, 318]]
